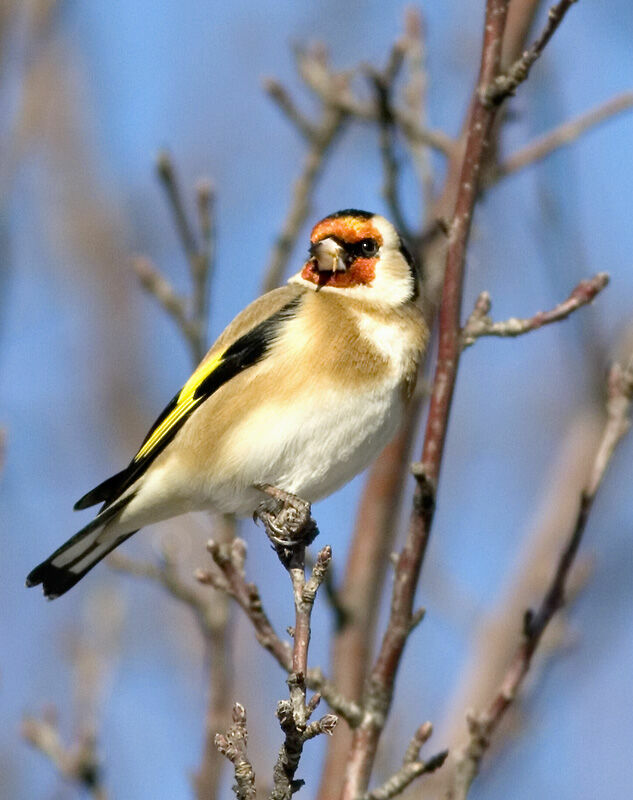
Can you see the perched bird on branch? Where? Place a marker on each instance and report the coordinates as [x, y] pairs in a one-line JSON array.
[[300, 392]]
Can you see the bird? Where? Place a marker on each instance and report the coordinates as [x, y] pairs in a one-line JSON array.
[[300, 392]]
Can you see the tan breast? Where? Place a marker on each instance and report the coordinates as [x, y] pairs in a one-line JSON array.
[[332, 343]]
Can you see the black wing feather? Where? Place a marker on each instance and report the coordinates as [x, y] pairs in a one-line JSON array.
[[243, 353]]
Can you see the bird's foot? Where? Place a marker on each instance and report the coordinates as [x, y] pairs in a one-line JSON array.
[[287, 521]]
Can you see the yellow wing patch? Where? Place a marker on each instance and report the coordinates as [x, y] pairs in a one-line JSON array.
[[184, 404]]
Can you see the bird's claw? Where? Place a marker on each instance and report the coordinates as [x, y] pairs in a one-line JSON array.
[[287, 520]]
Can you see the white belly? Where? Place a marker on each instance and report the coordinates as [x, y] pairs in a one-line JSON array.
[[311, 449]]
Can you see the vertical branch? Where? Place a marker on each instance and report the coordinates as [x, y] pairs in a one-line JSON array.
[[294, 715], [319, 136], [381, 680], [415, 95], [191, 314], [192, 317], [301, 195]]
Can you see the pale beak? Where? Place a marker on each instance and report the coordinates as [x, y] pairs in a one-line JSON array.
[[329, 255]]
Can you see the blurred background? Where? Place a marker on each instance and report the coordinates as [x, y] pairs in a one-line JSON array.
[[89, 93]]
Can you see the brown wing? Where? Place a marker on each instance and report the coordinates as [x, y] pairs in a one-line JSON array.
[[243, 343]]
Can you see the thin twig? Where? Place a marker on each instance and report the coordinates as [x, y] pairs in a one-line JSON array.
[[280, 95], [415, 98], [78, 763], [494, 634], [294, 714], [482, 726], [232, 745], [301, 197], [563, 135], [167, 174], [412, 767], [291, 529], [228, 576], [155, 283], [505, 85], [319, 135], [191, 314], [203, 264], [383, 83], [479, 323]]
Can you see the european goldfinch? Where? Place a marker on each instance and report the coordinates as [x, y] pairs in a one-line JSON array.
[[300, 392]]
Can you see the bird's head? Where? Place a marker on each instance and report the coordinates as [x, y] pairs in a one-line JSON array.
[[360, 255]]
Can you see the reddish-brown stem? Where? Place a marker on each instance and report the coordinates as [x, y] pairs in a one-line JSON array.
[[479, 323], [381, 681]]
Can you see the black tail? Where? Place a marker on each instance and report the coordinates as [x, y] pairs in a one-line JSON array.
[[70, 562], [105, 492]]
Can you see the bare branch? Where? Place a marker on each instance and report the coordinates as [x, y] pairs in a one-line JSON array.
[[320, 136], [406, 775], [166, 575], [482, 726], [232, 744], [78, 763], [383, 84], [381, 682], [280, 95], [155, 283], [167, 174], [338, 95], [412, 767], [228, 576], [505, 85], [415, 98], [301, 196], [192, 315], [479, 323], [294, 714], [203, 264], [563, 135]]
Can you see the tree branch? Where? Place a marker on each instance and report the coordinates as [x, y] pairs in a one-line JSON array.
[[415, 99], [228, 576], [479, 323], [191, 315], [320, 136], [381, 682], [412, 767], [502, 86], [483, 726], [295, 713], [562, 135], [78, 763], [232, 745], [383, 84]]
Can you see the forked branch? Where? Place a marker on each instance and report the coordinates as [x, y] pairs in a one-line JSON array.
[[479, 323]]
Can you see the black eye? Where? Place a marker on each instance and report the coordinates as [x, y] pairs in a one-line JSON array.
[[368, 247]]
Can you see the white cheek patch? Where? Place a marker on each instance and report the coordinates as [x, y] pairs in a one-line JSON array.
[[393, 283]]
